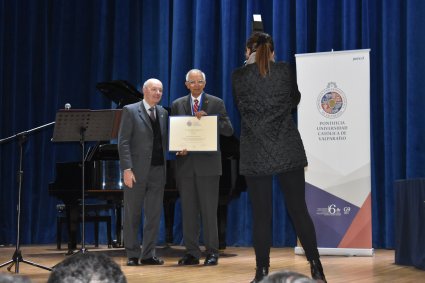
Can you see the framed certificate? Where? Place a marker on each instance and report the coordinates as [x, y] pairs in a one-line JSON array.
[[193, 134]]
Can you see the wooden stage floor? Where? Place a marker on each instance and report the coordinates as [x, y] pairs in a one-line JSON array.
[[235, 265]]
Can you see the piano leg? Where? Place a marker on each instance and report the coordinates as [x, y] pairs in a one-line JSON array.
[[117, 243], [73, 213]]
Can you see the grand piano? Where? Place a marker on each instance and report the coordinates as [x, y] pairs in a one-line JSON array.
[[103, 177]]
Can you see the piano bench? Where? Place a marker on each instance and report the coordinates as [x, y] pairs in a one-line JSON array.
[[63, 219]]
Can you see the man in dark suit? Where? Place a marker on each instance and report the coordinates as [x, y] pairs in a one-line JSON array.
[[198, 174], [142, 146]]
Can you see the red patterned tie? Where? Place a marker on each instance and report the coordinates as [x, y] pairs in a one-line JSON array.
[[195, 106]]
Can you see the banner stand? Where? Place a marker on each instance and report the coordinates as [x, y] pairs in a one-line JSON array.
[[334, 124]]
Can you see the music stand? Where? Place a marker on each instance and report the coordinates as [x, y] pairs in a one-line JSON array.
[[86, 125], [17, 255]]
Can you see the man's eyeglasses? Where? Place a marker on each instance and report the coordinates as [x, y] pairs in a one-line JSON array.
[[200, 82]]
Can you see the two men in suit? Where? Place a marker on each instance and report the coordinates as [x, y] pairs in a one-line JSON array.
[[198, 174], [142, 144]]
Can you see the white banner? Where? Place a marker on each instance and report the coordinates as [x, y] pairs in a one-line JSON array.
[[334, 122]]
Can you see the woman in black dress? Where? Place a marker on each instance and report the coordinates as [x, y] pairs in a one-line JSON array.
[[265, 93]]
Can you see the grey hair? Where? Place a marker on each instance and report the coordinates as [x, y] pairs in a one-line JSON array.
[[148, 81], [196, 71], [87, 267], [287, 276]]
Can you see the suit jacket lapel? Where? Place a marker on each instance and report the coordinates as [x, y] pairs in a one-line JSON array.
[[187, 106], [204, 105], [162, 119], [144, 116]]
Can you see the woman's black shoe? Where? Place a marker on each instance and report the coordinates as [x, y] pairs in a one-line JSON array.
[[317, 270], [260, 273]]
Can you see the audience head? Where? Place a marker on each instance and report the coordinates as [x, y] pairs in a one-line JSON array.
[[287, 277], [87, 268], [13, 278]]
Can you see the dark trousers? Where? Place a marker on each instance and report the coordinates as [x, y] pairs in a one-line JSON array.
[[199, 198], [147, 195], [260, 193]]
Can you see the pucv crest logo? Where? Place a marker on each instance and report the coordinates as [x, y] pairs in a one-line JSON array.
[[331, 101]]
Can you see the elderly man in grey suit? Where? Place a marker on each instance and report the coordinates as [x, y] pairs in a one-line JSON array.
[[142, 146], [198, 174]]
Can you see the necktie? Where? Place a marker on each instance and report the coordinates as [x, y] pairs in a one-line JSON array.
[[195, 106], [152, 114]]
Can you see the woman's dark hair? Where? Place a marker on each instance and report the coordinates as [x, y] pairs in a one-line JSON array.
[[251, 43], [262, 44]]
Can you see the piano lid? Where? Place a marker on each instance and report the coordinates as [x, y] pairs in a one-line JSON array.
[[103, 151], [119, 91]]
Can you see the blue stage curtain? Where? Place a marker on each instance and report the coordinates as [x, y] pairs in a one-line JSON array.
[[54, 52]]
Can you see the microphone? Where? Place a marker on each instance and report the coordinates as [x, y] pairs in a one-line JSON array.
[[67, 106]]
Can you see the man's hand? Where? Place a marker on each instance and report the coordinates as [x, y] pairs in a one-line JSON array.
[[201, 113], [129, 178], [182, 153]]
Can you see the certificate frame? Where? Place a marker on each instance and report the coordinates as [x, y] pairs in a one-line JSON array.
[[193, 134]]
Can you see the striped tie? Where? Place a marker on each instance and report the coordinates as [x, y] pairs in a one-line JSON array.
[[195, 106]]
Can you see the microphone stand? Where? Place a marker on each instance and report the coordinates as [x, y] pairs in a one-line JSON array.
[[17, 255]]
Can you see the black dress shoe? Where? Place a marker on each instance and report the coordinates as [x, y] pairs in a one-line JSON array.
[[152, 261], [188, 259], [260, 273], [211, 259], [133, 261], [317, 270]]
